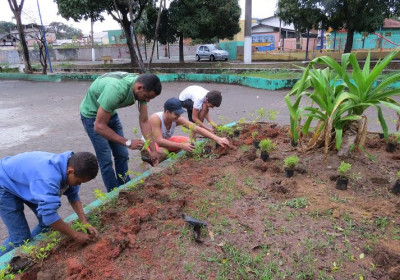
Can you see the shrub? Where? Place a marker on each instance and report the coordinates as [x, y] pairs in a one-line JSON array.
[[291, 161], [344, 169], [267, 146]]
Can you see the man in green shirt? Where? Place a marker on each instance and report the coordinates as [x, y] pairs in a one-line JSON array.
[[108, 93]]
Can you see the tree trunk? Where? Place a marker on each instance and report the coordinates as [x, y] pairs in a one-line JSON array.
[[17, 14], [298, 38], [127, 29], [350, 132], [181, 57], [155, 35], [349, 42]]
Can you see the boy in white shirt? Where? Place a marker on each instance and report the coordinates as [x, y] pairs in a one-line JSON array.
[[198, 101]]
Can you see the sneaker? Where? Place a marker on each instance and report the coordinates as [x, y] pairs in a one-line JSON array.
[[146, 158]]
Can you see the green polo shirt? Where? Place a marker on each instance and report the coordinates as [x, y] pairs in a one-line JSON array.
[[111, 91]]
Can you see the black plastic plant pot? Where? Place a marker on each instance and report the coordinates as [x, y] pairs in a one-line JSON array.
[[381, 135], [207, 149], [396, 187], [293, 143], [289, 172], [264, 156], [341, 183], [390, 147], [256, 144], [216, 145], [236, 133]]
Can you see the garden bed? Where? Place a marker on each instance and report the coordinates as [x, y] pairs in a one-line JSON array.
[[260, 224]]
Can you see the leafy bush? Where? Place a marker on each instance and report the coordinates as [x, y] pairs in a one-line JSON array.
[[344, 169], [340, 97], [291, 161], [267, 146]]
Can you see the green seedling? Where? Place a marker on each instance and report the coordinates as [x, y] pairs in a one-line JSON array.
[[291, 161], [27, 249], [266, 146], [6, 274], [135, 131], [199, 150], [241, 121], [273, 114], [297, 203], [398, 175], [382, 222], [344, 169], [98, 194], [254, 135], [225, 130], [81, 227]]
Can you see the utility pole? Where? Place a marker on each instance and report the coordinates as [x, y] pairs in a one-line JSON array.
[[247, 32], [91, 31], [44, 38]]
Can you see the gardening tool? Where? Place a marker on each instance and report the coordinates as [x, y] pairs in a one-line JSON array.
[[196, 225]]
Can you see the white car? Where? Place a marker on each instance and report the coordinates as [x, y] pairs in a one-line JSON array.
[[211, 52]]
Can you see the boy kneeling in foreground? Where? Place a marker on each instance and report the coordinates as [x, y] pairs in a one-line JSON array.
[[163, 125], [38, 179]]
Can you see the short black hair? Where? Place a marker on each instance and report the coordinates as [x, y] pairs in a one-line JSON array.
[[85, 165], [150, 83], [214, 97]]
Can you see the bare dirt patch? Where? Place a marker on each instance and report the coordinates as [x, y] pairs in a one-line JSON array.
[[260, 224]]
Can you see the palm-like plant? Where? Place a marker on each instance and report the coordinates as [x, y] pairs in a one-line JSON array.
[[341, 98]]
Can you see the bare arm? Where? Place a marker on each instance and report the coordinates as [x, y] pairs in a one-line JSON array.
[[198, 117], [147, 132], [204, 132], [77, 206], [102, 128], [62, 227]]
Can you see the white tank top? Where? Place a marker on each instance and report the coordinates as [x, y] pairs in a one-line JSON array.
[[166, 133]]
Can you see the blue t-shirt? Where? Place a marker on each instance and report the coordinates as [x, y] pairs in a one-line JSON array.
[[40, 178]]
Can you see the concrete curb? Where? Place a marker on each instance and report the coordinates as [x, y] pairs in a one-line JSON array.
[[253, 82]]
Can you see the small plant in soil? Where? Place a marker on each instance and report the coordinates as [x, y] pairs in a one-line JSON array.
[[225, 130], [6, 274], [396, 186], [79, 226], [343, 180], [98, 194], [290, 164], [266, 146], [392, 143], [198, 150]]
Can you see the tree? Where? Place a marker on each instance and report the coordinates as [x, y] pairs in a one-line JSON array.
[[205, 20], [64, 31], [40, 43], [357, 15], [17, 10], [304, 14], [6, 27], [118, 9]]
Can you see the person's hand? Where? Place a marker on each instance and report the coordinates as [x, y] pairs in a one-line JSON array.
[[136, 144], [154, 157], [222, 141], [82, 238], [188, 147], [92, 231]]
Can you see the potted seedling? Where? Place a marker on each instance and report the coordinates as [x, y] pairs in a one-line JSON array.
[[396, 186], [392, 143], [342, 180], [266, 146], [256, 142], [290, 164]]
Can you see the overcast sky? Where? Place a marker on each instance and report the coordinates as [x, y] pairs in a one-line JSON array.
[[49, 10]]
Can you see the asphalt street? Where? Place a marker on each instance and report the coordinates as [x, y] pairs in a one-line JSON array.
[[44, 116]]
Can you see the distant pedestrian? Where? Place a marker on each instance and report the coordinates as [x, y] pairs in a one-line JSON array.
[[119, 53], [108, 93], [198, 101], [38, 180]]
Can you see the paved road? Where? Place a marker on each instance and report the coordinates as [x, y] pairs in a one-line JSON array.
[[45, 116]]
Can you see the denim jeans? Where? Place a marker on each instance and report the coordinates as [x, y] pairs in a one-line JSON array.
[[106, 149], [12, 214]]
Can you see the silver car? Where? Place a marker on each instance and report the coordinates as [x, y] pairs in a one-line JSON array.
[[211, 52]]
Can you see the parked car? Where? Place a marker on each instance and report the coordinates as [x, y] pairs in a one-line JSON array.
[[211, 52]]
